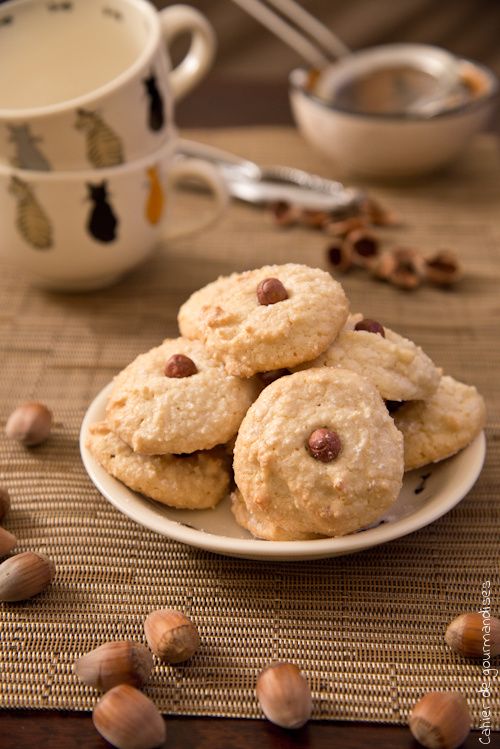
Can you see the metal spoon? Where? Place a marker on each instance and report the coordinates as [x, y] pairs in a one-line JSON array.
[[252, 183]]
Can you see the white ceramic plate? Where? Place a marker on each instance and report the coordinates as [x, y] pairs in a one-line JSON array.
[[422, 500]]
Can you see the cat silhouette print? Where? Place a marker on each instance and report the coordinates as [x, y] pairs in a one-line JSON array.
[[156, 198], [31, 220], [102, 223], [27, 155], [156, 117], [104, 147]]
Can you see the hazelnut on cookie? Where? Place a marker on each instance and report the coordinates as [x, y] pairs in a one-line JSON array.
[[398, 368], [316, 454], [177, 399], [266, 319]]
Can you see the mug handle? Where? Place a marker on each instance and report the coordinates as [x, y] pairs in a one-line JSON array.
[[199, 171], [177, 20]]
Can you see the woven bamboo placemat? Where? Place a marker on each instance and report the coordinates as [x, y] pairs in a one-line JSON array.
[[366, 629]]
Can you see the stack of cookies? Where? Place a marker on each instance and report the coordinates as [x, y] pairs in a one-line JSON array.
[[322, 411]]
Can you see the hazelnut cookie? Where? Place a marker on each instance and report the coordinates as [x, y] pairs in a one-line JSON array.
[[398, 368], [176, 399], [193, 482], [442, 425], [266, 319], [318, 453]]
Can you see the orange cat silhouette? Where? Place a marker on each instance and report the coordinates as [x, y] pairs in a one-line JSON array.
[[156, 198]]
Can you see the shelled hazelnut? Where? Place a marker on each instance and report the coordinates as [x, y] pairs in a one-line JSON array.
[[467, 633], [25, 575], [440, 720], [4, 503], [113, 663], [284, 695], [171, 635], [29, 424], [7, 542], [128, 719]]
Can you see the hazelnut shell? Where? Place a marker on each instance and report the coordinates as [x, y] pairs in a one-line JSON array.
[[113, 663], [128, 719], [171, 635], [284, 695]]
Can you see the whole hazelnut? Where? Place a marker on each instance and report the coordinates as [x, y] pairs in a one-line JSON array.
[[370, 326], [284, 695], [324, 445], [171, 635], [180, 366], [7, 542], [271, 291], [275, 374], [113, 663], [4, 503], [470, 634], [128, 719], [440, 720], [25, 575], [29, 424]]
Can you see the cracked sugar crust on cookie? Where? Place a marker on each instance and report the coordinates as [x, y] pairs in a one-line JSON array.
[[193, 482], [441, 426], [398, 368], [191, 317], [260, 526], [251, 337], [156, 414], [280, 479]]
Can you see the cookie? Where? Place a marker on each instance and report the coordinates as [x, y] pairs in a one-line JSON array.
[[398, 368], [193, 482], [266, 319], [318, 453], [260, 526], [177, 399], [441, 426]]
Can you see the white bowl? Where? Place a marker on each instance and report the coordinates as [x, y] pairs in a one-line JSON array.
[[420, 503], [391, 145]]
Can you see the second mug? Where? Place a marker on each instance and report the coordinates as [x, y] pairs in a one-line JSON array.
[[76, 231], [89, 84]]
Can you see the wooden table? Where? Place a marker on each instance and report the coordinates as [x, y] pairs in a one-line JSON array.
[[217, 103]]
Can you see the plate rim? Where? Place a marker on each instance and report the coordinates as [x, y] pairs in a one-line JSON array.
[[281, 550]]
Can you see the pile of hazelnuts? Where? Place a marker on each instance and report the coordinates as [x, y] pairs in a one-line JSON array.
[[354, 244]]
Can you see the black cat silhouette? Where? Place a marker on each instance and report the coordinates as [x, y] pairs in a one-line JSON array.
[[102, 220], [156, 117]]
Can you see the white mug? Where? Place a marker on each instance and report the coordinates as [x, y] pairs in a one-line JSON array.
[[88, 84], [76, 231]]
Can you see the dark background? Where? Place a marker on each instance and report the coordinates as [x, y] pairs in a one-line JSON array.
[[248, 83], [470, 28]]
